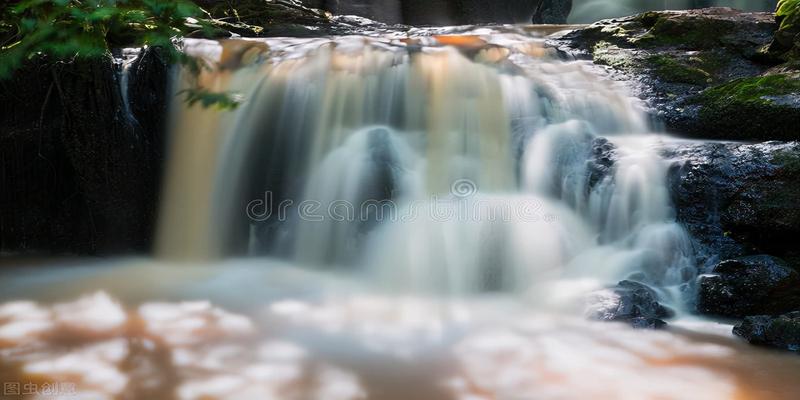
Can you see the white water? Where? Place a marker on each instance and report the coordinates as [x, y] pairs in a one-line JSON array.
[[438, 165]]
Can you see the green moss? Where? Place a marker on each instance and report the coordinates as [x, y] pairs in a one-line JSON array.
[[690, 33], [605, 53], [670, 70], [747, 108], [755, 90]]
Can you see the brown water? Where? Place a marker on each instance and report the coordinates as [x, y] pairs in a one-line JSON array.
[[141, 330]]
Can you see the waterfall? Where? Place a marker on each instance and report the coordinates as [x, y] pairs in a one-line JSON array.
[[127, 59], [463, 164]]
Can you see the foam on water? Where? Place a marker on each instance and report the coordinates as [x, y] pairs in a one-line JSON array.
[[363, 144]]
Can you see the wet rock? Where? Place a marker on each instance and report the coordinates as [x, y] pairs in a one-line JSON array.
[[601, 162], [260, 13], [552, 12], [703, 72], [631, 302], [647, 323], [749, 286], [446, 12], [782, 332], [737, 199], [757, 108]]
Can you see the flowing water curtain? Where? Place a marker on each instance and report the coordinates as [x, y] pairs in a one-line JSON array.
[[349, 121]]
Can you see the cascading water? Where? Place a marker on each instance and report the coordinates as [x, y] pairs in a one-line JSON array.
[[438, 164], [393, 217]]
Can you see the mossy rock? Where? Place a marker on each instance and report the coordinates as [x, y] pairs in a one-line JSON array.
[[691, 33], [760, 108], [606, 53], [670, 69], [264, 18]]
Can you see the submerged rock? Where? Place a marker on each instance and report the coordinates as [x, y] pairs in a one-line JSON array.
[[749, 286], [781, 332], [631, 302]]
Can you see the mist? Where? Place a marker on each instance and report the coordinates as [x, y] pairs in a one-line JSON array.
[[587, 11]]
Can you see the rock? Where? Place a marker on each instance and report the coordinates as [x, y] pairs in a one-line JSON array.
[[749, 286], [737, 198], [447, 12], [251, 18], [781, 332], [552, 12], [703, 72], [629, 301], [647, 323], [81, 170], [601, 163], [759, 108]]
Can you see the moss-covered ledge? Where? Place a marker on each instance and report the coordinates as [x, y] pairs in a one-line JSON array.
[[710, 73], [757, 108]]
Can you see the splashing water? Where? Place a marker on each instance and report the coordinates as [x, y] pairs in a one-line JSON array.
[[444, 165], [409, 216]]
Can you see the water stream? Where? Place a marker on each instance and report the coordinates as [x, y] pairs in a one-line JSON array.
[[406, 216]]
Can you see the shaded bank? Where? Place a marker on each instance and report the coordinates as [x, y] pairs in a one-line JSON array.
[[80, 166]]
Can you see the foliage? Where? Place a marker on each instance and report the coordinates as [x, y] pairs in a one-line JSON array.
[[87, 28], [206, 98], [74, 29], [788, 12]]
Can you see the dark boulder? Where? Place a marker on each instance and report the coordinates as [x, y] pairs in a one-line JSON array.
[[552, 12], [764, 107], [450, 12], [782, 332], [737, 199], [631, 302], [749, 286], [703, 72]]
